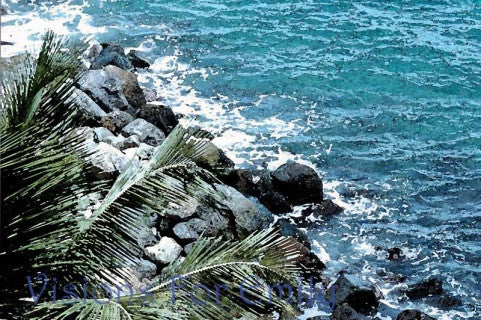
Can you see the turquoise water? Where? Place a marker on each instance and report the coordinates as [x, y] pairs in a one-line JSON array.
[[383, 98]]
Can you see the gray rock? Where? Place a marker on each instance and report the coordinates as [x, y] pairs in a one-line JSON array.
[[248, 218], [412, 314], [147, 132], [345, 312], [89, 109], [190, 230], [217, 218], [165, 251], [111, 54], [132, 91], [185, 211], [94, 52], [215, 160], [119, 142], [188, 247], [150, 95], [159, 115], [116, 120], [143, 151], [107, 158], [299, 183]]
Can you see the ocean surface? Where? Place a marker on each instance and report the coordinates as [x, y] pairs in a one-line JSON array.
[[383, 98]]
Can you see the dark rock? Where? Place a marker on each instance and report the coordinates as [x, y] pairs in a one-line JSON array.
[[272, 199], [116, 120], [445, 302], [326, 208], [111, 54], [299, 183], [3, 10], [289, 229], [433, 286], [413, 315], [94, 52], [350, 290], [394, 254], [315, 318], [132, 91], [242, 180], [345, 312], [147, 132], [311, 266], [6, 43], [215, 160], [137, 61], [159, 115], [190, 230]]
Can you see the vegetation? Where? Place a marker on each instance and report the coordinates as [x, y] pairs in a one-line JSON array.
[[47, 185]]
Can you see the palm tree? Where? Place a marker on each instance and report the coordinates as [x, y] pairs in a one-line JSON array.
[[46, 183]]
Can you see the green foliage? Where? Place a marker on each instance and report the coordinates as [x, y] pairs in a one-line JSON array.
[[46, 182]]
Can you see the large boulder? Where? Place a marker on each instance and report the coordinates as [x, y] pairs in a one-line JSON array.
[[352, 291], [136, 61], [326, 208], [111, 54], [270, 197], [113, 88], [89, 110], [159, 115], [165, 251], [116, 120], [412, 314], [345, 312], [433, 286], [247, 217], [242, 180], [299, 183], [147, 132]]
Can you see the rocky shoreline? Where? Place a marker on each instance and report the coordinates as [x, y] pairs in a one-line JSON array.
[[124, 121]]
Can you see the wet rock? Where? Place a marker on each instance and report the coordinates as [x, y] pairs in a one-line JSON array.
[[215, 160], [90, 110], [111, 54], [159, 115], [326, 208], [433, 286], [247, 217], [130, 86], [345, 312], [394, 253], [299, 183], [413, 315], [350, 290], [137, 61], [243, 181], [190, 230], [165, 251], [270, 197], [444, 302], [116, 120], [147, 132], [289, 229]]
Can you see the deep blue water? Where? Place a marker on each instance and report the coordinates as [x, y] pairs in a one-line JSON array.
[[383, 98]]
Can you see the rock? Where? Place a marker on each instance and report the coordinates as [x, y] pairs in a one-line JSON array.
[[111, 54], [6, 43], [444, 302], [116, 120], [150, 95], [3, 10], [272, 199], [147, 132], [311, 265], [119, 142], [217, 217], [107, 158], [394, 254], [137, 61], [90, 110], [345, 312], [131, 89], [165, 251], [190, 230], [433, 286], [326, 208], [248, 218], [299, 183], [106, 90], [350, 290], [187, 210], [94, 52], [188, 247], [243, 181], [215, 160], [159, 115], [289, 229], [413, 315]]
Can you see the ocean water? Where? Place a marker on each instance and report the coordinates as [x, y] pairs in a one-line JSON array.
[[383, 98]]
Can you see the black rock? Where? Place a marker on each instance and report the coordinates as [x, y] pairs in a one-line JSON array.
[[299, 183], [6, 43], [394, 253], [350, 290], [159, 115], [3, 10], [445, 301], [137, 61], [111, 54], [413, 315], [345, 312], [326, 208], [433, 286], [311, 266], [289, 229], [242, 180], [270, 197]]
